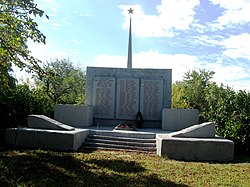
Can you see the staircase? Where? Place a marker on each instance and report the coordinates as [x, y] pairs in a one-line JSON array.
[[123, 141]]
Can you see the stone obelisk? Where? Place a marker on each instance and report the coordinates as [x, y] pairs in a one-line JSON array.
[[129, 63]]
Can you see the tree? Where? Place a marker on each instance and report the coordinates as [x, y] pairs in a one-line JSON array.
[[221, 104], [62, 82], [178, 100], [17, 26], [195, 85]]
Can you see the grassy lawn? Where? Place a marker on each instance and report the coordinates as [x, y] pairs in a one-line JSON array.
[[107, 168]]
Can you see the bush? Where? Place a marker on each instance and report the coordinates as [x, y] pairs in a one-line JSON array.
[[232, 115], [228, 108], [19, 103]]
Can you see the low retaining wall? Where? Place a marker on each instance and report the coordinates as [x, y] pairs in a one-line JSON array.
[[78, 116], [46, 139], [178, 119], [195, 143], [44, 122], [196, 149]]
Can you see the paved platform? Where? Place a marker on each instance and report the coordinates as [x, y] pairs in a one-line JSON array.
[[141, 130]]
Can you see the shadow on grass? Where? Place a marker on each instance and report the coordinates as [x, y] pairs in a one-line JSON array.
[[120, 166], [47, 168]]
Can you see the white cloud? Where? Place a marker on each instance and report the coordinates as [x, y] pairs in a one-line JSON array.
[[237, 46], [236, 76], [66, 22], [49, 51], [236, 12], [82, 14], [76, 42], [205, 40], [115, 61], [180, 63], [231, 75], [56, 24], [40, 50], [177, 14], [52, 4]]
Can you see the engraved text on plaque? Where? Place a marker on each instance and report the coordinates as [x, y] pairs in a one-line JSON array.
[[104, 97], [151, 98], [127, 103]]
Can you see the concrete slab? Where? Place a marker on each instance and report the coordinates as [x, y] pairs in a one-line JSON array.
[[204, 130], [196, 149], [44, 122], [78, 116], [46, 139], [178, 119], [196, 143]]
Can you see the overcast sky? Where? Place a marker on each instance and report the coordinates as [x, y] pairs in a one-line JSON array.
[[180, 35]]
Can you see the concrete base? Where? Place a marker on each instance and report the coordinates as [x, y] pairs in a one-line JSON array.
[[47, 139], [78, 116], [44, 122], [196, 149], [196, 143], [178, 119], [204, 130]]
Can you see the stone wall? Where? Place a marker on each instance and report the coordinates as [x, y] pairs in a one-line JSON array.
[[79, 116], [178, 119], [119, 93]]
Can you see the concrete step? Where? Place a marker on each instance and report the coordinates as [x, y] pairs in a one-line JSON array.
[[124, 133], [127, 142], [87, 148], [122, 139], [114, 147]]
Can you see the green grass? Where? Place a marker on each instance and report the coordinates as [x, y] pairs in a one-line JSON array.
[[107, 168]]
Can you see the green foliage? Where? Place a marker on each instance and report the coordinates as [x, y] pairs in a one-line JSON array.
[[7, 82], [231, 112], [178, 100], [229, 109], [62, 82], [195, 85], [19, 103], [17, 26]]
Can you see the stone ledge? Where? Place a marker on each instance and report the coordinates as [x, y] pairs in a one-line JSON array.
[[46, 139], [196, 149], [204, 130], [195, 143], [44, 122]]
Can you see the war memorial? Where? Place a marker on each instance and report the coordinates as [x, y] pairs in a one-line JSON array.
[[138, 101]]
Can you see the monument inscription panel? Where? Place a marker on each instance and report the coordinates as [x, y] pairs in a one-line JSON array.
[[127, 103], [104, 97], [151, 98]]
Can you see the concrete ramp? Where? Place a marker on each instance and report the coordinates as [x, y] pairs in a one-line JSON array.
[[44, 132], [204, 130], [46, 139], [44, 122], [195, 143]]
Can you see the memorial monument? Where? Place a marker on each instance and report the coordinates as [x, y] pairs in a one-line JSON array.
[[118, 94]]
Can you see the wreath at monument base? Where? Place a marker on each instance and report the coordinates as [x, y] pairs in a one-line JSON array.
[[126, 126]]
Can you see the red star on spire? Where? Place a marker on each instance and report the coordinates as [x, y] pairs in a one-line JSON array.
[[130, 11]]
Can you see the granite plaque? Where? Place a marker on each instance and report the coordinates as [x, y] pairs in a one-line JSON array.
[[151, 98], [104, 97], [127, 99]]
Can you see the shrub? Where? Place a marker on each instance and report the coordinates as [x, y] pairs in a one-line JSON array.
[[19, 103]]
